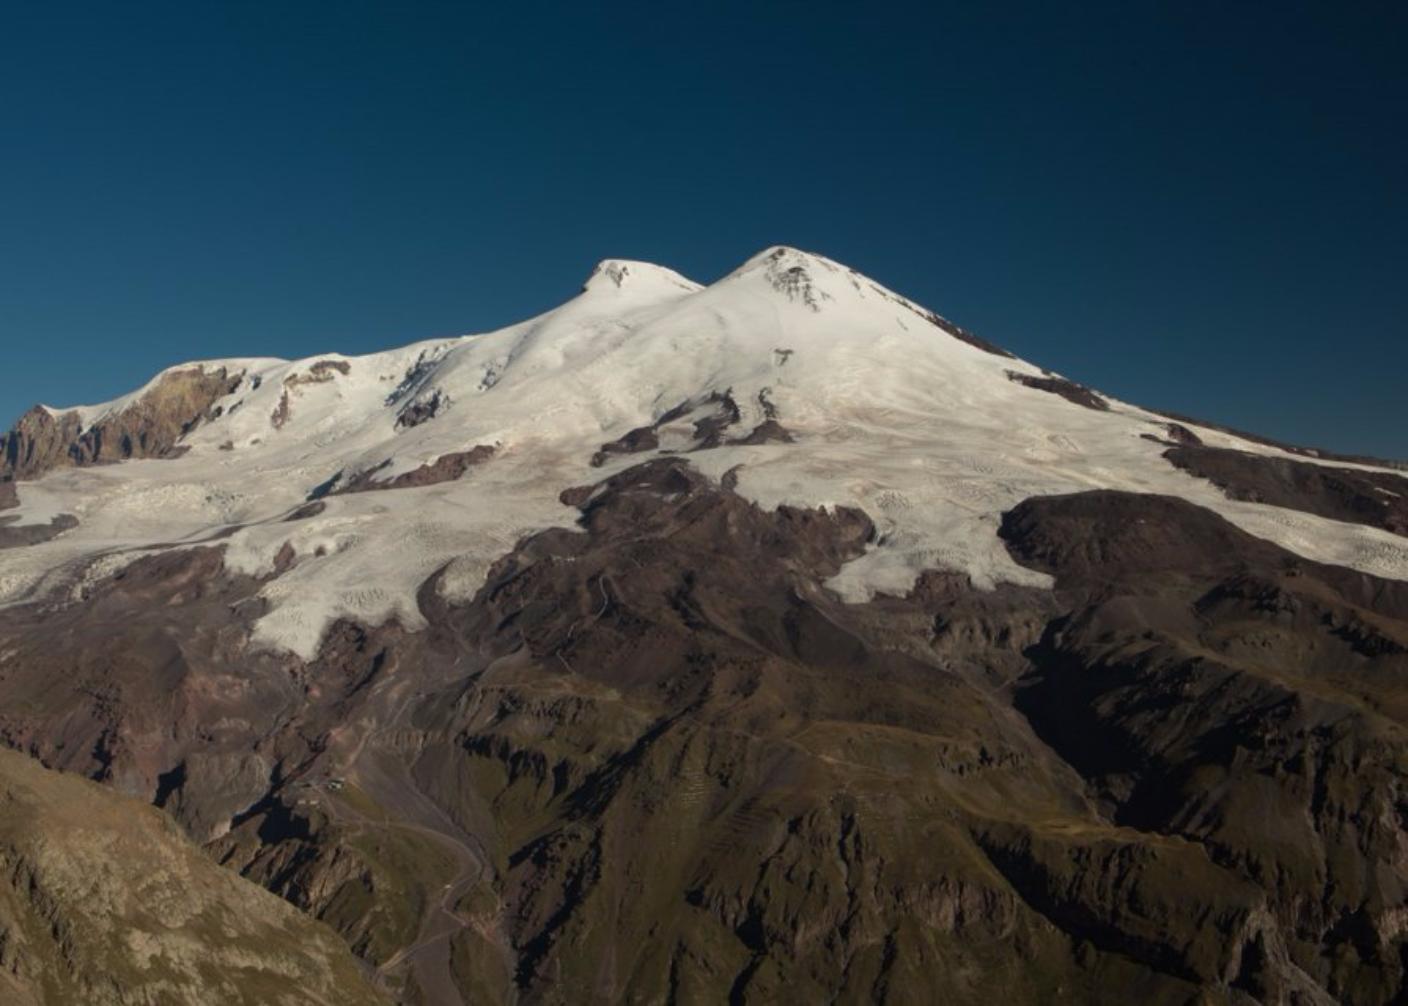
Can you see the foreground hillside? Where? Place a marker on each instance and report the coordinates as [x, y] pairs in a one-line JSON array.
[[775, 640], [104, 901]]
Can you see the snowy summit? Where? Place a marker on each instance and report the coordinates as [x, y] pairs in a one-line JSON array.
[[794, 378]]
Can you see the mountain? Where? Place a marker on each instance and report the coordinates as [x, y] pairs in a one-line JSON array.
[[775, 639]]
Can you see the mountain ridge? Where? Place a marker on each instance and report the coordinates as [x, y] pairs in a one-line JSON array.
[[845, 369], [768, 640]]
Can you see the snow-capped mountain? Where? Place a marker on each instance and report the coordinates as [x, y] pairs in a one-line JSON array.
[[768, 641], [819, 388]]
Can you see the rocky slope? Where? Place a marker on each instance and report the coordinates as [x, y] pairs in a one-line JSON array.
[[694, 649], [105, 901], [148, 426]]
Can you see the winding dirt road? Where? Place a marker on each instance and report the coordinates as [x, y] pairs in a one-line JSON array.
[[373, 764]]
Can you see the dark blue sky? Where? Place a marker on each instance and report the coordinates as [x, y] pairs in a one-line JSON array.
[[1197, 206]]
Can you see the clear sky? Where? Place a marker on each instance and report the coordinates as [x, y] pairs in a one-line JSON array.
[[1195, 206]]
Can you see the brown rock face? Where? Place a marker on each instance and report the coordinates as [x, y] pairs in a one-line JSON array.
[[1216, 690], [29, 534], [643, 438], [319, 372], [657, 760], [718, 413], [420, 411], [1312, 453], [33, 534], [38, 442], [963, 335], [1077, 394], [769, 431], [445, 468], [1182, 435], [148, 428], [1378, 499]]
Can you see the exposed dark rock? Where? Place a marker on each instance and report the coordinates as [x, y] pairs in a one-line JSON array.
[[133, 676], [39, 441], [281, 412], [1174, 435], [1216, 689], [963, 335], [415, 375], [1128, 895], [9, 497], [1069, 390], [319, 372], [148, 428], [284, 559], [1378, 499], [767, 432], [1182, 435], [309, 509], [33, 534], [421, 410], [1309, 452], [709, 431], [794, 282], [445, 468], [642, 438], [656, 757], [575, 496]]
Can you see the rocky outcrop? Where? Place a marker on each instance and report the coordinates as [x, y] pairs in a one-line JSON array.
[[150, 427], [1181, 434], [769, 431], [445, 468], [318, 372], [421, 410], [964, 335], [39, 441], [1313, 453], [104, 901], [714, 415], [281, 412], [32, 534], [1077, 394], [1213, 688], [720, 411], [642, 438], [1378, 499]]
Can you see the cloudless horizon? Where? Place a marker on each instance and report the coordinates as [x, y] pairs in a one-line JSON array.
[[1198, 207]]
